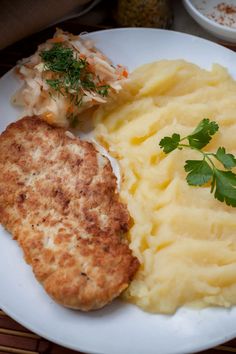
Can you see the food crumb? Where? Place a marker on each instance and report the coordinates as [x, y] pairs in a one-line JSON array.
[[228, 9], [224, 14]]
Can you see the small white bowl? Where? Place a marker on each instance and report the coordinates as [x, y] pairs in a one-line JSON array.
[[220, 22]]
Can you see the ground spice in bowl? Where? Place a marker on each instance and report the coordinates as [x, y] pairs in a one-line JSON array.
[[224, 14]]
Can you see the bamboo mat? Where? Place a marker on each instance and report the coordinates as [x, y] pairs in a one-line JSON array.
[[14, 338]]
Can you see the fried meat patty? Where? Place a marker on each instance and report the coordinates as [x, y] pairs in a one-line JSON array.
[[59, 200]]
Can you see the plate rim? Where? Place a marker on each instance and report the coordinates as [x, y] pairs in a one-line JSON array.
[[51, 338], [212, 343]]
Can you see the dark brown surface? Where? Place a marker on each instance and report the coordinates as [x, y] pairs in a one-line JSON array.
[[13, 337], [10, 55]]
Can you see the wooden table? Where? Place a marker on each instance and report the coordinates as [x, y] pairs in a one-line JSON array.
[[13, 337]]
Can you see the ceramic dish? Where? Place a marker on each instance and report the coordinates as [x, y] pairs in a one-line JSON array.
[[119, 327], [215, 16]]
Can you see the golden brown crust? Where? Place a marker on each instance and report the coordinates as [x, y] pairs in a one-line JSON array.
[[58, 198]]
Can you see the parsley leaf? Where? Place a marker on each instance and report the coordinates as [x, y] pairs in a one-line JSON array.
[[224, 184], [199, 172], [228, 160], [201, 136], [169, 144]]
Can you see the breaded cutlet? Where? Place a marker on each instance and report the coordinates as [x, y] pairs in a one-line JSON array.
[[59, 200]]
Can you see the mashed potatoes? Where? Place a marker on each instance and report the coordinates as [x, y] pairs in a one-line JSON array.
[[184, 238]]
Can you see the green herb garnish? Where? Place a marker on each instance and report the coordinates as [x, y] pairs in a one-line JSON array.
[[103, 90], [223, 183], [71, 75]]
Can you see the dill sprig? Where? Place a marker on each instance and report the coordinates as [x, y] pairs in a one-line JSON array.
[[71, 74]]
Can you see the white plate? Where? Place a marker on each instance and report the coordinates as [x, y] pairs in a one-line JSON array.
[[119, 328]]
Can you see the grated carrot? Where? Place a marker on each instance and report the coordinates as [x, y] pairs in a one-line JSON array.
[[125, 73], [56, 40], [70, 109]]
